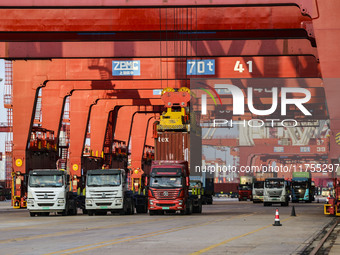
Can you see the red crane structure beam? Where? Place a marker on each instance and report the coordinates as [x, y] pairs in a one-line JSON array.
[[168, 19], [247, 151], [327, 31], [100, 113], [100, 49], [306, 6]]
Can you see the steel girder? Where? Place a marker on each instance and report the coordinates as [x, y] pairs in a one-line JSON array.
[[327, 31], [179, 24], [168, 20], [306, 6], [197, 48]]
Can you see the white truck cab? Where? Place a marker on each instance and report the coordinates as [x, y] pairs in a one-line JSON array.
[[276, 191], [107, 190], [48, 191], [258, 189]]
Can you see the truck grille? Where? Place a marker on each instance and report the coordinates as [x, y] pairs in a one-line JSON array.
[[166, 193], [103, 194], [259, 192], [166, 205], [103, 204], [45, 195], [45, 204], [275, 193]]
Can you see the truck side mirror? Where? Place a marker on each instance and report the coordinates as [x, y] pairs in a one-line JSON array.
[[187, 181], [146, 181], [68, 179]]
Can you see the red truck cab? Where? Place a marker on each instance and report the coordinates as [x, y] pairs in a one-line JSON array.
[[168, 186], [244, 192]]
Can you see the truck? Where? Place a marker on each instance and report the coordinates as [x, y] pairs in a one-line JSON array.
[[245, 188], [257, 192], [302, 188], [332, 206], [276, 191], [207, 187], [107, 190], [168, 187], [49, 191], [168, 181]]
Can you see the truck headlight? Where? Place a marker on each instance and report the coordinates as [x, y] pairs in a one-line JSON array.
[[61, 201], [180, 202], [119, 201], [151, 202], [88, 201], [30, 201]]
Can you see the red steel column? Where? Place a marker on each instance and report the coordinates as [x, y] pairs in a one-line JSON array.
[[138, 133], [327, 35]]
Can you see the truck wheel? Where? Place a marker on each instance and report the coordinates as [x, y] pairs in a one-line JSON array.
[[131, 209], [188, 210], [141, 209], [32, 214], [199, 208]]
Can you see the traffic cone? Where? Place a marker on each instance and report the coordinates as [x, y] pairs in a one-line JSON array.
[[293, 211], [277, 218]]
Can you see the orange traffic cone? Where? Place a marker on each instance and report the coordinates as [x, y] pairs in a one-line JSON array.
[[277, 218]]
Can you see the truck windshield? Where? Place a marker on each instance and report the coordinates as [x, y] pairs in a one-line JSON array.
[[271, 184], [103, 180], [46, 181], [259, 185], [299, 185], [165, 182], [244, 187]]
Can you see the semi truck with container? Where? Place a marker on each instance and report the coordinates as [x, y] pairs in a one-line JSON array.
[[107, 191], [302, 188], [276, 191], [49, 192], [245, 188], [169, 179]]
